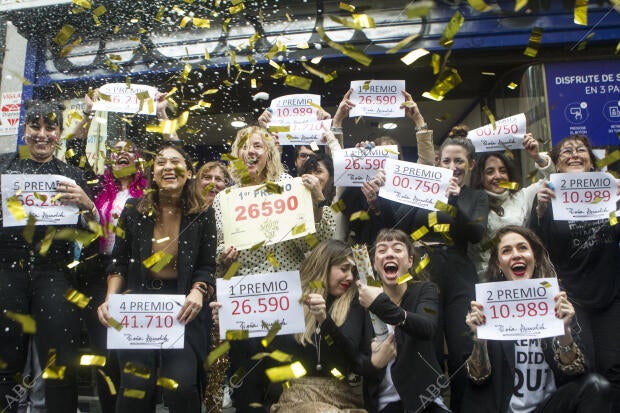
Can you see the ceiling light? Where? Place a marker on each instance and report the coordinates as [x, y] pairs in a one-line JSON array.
[[238, 124], [389, 125]]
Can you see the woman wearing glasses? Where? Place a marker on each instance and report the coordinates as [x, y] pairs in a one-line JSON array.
[[586, 257]]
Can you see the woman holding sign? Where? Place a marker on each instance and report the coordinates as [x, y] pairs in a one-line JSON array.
[[410, 310], [169, 229], [497, 176], [585, 255], [536, 375]]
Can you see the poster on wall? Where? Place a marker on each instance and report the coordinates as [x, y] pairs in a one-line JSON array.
[[10, 105], [584, 98]]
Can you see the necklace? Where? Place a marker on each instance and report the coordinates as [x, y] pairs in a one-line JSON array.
[[317, 344]]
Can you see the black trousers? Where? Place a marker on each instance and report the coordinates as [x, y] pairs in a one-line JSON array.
[[40, 293], [589, 393], [456, 276]]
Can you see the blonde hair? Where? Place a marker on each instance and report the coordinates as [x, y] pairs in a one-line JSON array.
[[273, 167], [317, 267]]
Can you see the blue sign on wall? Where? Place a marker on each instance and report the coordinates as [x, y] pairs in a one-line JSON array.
[[584, 98]]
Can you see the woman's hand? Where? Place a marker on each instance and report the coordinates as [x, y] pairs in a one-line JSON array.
[[384, 352], [530, 144], [192, 306], [475, 317], [344, 107], [89, 101], [316, 305], [314, 186], [74, 195], [412, 111], [545, 195], [160, 105], [103, 314], [228, 256], [453, 187], [564, 310], [265, 118], [367, 294], [365, 144], [215, 311]]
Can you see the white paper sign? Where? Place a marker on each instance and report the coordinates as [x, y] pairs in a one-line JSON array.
[[508, 134], [583, 196], [126, 100], [414, 184], [378, 98], [292, 109], [10, 106], [149, 321], [517, 310], [252, 214], [36, 196], [255, 302], [354, 166], [305, 133]]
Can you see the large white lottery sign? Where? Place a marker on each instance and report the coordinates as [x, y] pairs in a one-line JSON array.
[[414, 184], [291, 109], [254, 214], [305, 133], [522, 309], [378, 98], [508, 134], [117, 97], [37, 194], [148, 321], [354, 166], [583, 196], [255, 302]]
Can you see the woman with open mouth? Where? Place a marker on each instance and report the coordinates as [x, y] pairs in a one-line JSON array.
[[537, 375], [493, 173], [410, 310], [585, 255]]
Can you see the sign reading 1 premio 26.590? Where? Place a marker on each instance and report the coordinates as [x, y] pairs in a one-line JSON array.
[[584, 98]]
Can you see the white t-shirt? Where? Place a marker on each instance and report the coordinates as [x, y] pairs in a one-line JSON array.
[[534, 382]]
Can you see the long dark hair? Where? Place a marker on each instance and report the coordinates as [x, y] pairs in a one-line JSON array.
[[312, 164], [477, 177], [190, 200], [542, 263]]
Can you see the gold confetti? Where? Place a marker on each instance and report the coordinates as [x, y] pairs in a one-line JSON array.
[[134, 394], [403, 43], [216, 353], [99, 11], [534, 43], [508, 185], [77, 298], [201, 23], [46, 243], [64, 34], [326, 77], [519, 4], [413, 55], [346, 49], [280, 356], [167, 383], [346, 6], [372, 282], [613, 218], [311, 240], [442, 228], [581, 12], [115, 324], [234, 335], [29, 326], [422, 264], [404, 278], [288, 372], [298, 82], [299, 229], [157, 261], [109, 382], [124, 171], [16, 208], [271, 257], [337, 374], [512, 86], [29, 228], [419, 233], [490, 116], [339, 206], [236, 9], [54, 372], [453, 27], [271, 334], [276, 129], [361, 215], [231, 270], [316, 284], [447, 208], [360, 21], [92, 360], [609, 159], [432, 219], [481, 6], [137, 370], [82, 3], [446, 81], [418, 9], [545, 284]]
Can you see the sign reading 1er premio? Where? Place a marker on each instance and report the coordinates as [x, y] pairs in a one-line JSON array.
[[255, 302], [354, 166], [508, 134], [37, 193], [414, 184], [584, 196], [253, 214], [522, 309], [149, 321], [378, 98], [117, 97]]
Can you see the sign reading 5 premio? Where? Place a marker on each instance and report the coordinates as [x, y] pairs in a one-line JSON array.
[[584, 98]]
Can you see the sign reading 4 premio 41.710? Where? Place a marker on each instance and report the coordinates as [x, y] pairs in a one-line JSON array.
[[584, 98]]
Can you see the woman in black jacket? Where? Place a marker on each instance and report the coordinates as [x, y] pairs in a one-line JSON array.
[[171, 214], [536, 375], [402, 374]]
